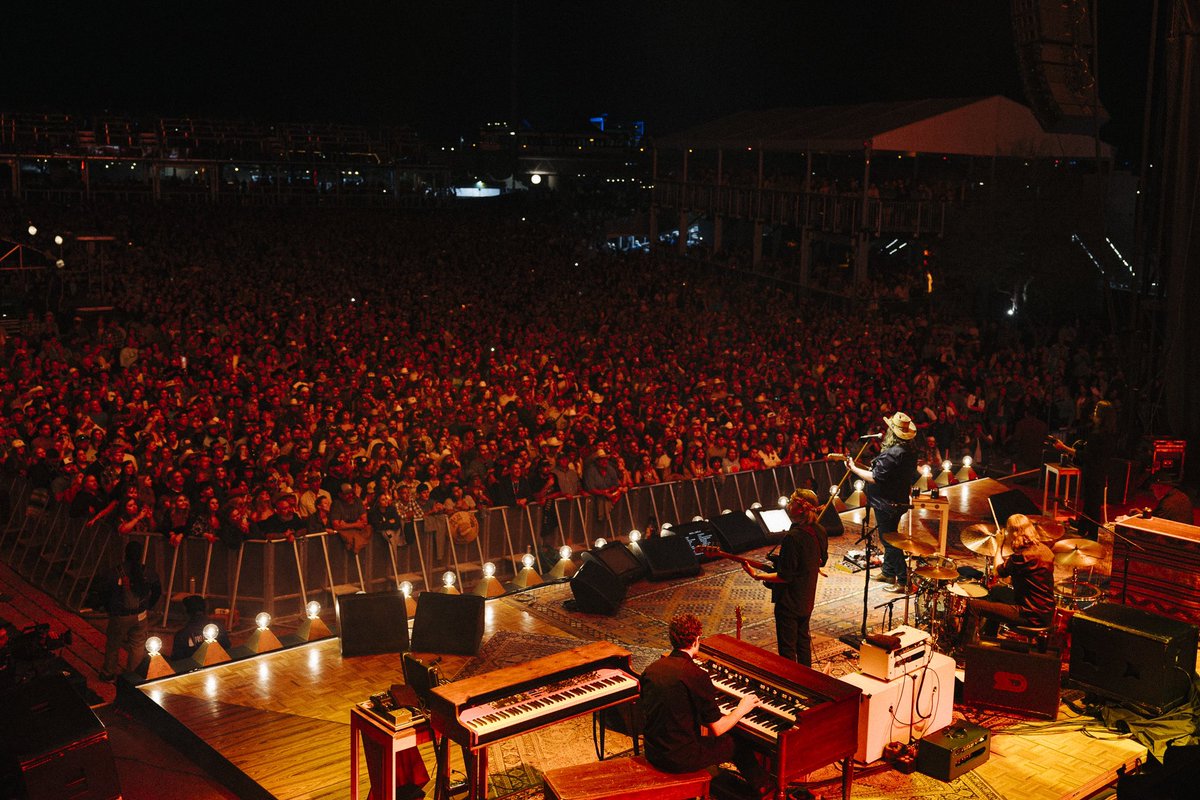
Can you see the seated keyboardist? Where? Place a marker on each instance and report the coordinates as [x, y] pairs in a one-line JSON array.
[[685, 729]]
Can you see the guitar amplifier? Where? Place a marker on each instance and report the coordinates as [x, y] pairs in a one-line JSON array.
[[954, 750], [895, 653]]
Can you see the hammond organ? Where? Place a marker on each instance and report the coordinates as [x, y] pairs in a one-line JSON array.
[[806, 719]]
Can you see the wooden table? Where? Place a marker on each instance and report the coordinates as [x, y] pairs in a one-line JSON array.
[[392, 742]]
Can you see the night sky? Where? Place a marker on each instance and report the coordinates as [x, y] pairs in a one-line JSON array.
[[445, 66]]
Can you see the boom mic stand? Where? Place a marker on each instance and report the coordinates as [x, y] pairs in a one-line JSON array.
[[1130, 545], [849, 639]]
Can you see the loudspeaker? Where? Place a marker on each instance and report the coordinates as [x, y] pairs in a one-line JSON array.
[[448, 623], [54, 745], [372, 623], [1014, 501], [597, 589], [698, 534], [1054, 49], [738, 532], [620, 559], [669, 557], [1133, 655], [1011, 680], [954, 750]]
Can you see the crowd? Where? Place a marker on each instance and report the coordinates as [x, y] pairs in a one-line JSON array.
[[270, 372]]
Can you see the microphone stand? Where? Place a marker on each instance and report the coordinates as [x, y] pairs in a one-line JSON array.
[[867, 529], [1130, 545]]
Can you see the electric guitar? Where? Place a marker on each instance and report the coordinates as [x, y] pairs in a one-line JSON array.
[[709, 551]]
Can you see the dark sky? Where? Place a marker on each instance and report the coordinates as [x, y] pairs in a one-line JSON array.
[[446, 65]]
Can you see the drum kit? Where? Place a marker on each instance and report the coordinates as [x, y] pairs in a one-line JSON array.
[[942, 591]]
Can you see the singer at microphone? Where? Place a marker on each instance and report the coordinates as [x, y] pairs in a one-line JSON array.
[[889, 479], [867, 436]]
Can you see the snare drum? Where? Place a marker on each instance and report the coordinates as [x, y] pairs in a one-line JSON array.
[[1076, 596]]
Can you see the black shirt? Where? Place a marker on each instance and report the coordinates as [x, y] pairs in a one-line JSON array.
[[1032, 573], [803, 551], [895, 471], [678, 698]]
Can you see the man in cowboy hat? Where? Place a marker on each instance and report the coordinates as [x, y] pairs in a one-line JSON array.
[[889, 480]]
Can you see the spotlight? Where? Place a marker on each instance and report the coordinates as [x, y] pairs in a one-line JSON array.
[[666, 529], [565, 567], [58, 240], [923, 483], [210, 632], [783, 501], [635, 536], [966, 473], [488, 586], [262, 640], [535, 179], [312, 628], [946, 477], [756, 504], [410, 602], [858, 497], [698, 518], [599, 542], [528, 576], [210, 652], [33, 230], [448, 581], [836, 502], [154, 666]]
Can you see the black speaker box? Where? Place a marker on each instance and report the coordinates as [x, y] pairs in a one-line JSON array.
[[954, 750], [54, 745], [1011, 680], [701, 533], [738, 532], [620, 559], [597, 589], [831, 521], [669, 557], [1133, 655], [448, 623], [1014, 501], [372, 623]]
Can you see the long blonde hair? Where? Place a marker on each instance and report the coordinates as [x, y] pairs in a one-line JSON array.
[[1022, 533]]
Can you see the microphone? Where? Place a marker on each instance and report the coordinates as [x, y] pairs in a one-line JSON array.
[[866, 436]]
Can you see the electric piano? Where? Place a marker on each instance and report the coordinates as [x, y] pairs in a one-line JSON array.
[[805, 719], [489, 708]]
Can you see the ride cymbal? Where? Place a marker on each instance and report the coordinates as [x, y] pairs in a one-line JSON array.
[[914, 546], [982, 539], [938, 569]]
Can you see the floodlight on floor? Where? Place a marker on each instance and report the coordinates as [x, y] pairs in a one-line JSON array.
[[783, 501], [966, 472], [312, 628], [488, 586], [925, 482], [946, 476], [154, 665], [210, 652], [410, 602], [835, 502], [528, 576], [262, 640], [565, 567], [858, 497], [449, 579]]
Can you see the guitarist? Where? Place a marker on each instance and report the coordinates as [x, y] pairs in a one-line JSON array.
[[802, 553]]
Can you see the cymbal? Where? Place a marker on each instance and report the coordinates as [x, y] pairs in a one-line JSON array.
[[982, 539], [1078, 544], [1076, 553], [1048, 528], [914, 546], [938, 569], [968, 589]]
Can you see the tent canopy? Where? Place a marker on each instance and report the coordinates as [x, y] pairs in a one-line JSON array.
[[988, 126]]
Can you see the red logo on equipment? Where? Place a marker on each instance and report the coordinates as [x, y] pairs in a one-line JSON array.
[[1010, 682]]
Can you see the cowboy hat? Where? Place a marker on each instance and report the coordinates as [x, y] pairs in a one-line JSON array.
[[900, 424]]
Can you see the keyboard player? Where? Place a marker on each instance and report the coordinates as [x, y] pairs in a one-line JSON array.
[[685, 729]]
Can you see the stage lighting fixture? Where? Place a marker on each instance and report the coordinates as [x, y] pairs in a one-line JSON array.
[[210, 652], [153, 665], [945, 477], [528, 576], [488, 586], [635, 536], [312, 628], [836, 502], [262, 640], [33, 230], [783, 501], [448, 581], [565, 567], [410, 602], [925, 482], [966, 473], [858, 497]]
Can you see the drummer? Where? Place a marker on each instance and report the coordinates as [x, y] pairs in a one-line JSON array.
[[1030, 599]]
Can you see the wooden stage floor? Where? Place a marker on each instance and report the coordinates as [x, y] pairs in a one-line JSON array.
[[277, 726]]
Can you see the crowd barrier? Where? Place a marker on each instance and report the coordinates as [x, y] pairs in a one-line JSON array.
[[67, 558]]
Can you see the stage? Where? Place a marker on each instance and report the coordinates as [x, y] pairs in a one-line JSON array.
[[278, 725]]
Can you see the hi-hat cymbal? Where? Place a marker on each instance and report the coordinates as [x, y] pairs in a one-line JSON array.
[[1076, 559], [938, 569], [982, 540], [968, 589], [914, 546], [1048, 528]]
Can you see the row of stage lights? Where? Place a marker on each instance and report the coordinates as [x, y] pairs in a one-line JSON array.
[[262, 640]]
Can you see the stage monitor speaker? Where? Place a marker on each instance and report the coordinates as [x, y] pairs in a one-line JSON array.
[[738, 532], [1011, 680], [1129, 654], [701, 533], [620, 559], [54, 746], [597, 589], [954, 750], [1014, 501], [448, 623], [669, 557], [369, 624]]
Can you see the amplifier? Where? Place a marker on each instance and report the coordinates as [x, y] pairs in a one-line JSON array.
[[896, 653], [954, 751], [903, 709]]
